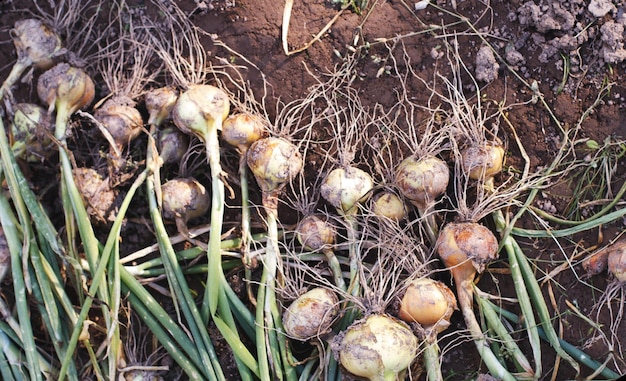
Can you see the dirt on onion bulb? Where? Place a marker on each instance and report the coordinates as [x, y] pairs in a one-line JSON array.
[[389, 205], [35, 42], [429, 303], [345, 187], [99, 198], [378, 348], [482, 162], [422, 180], [466, 244], [241, 130], [199, 109], [172, 144], [315, 233], [32, 130], [121, 119], [185, 199], [311, 314]]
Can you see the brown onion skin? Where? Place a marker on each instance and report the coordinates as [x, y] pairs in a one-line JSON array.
[[429, 303], [466, 243]]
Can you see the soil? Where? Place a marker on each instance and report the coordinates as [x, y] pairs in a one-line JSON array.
[[565, 52]]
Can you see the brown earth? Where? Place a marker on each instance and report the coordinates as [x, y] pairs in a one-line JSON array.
[[394, 29]]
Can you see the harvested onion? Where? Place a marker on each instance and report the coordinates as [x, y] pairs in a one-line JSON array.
[[482, 162], [159, 103], [315, 233], [201, 110], [389, 205], [311, 314], [429, 303], [31, 130], [422, 180], [345, 188], [241, 130], [617, 262], [35, 42], [99, 198], [184, 199], [378, 348], [172, 144], [121, 119]]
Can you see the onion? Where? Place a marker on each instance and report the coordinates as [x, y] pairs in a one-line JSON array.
[[345, 188], [121, 119], [311, 314], [422, 180], [617, 261], [273, 161], [315, 233], [35, 42], [482, 162], [99, 198], [429, 303], [201, 110], [378, 348], [466, 244], [241, 130], [172, 144], [184, 199], [67, 89], [159, 103], [387, 204], [31, 131]]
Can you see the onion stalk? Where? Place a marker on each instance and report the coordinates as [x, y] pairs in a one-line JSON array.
[[378, 348], [422, 181]]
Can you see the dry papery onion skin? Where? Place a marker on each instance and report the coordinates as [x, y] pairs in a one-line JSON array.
[[198, 107], [459, 242], [315, 233], [66, 84], [429, 303], [273, 162], [242, 129], [617, 261], [32, 128], [482, 161], [346, 187], [99, 198], [389, 205], [311, 314], [36, 42], [422, 180], [121, 119], [184, 198], [378, 348]]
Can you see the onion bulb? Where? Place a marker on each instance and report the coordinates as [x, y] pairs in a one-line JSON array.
[[184, 199], [387, 204], [273, 161], [429, 303], [617, 262], [378, 348], [32, 129], [99, 198], [200, 110], [422, 180], [311, 314], [172, 144], [466, 244], [241, 130], [35, 42], [345, 187], [65, 87], [315, 233], [121, 119], [482, 162], [159, 103]]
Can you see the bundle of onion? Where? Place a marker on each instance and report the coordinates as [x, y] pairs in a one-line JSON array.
[[378, 348], [465, 248], [422, 181], [274, 162], [183, 200], [430, 304], [32, 130], [389, 205], [36, 45], [316, 233], [311, 314]]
